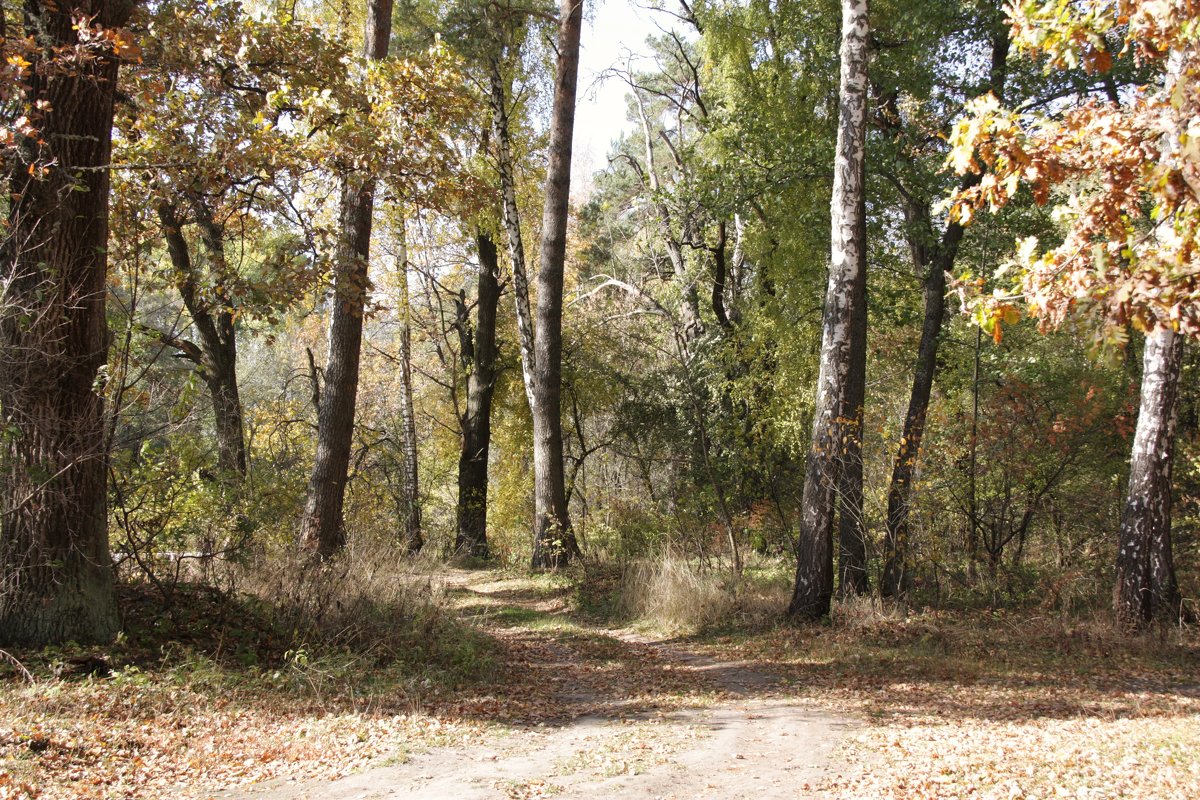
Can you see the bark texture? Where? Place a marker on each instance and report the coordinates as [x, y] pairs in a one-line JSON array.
[[852, 529], [321, 528], [414, 539], [814, 547], [56, 581], [479, 356], [510, 214], [554, 542], [1146, 588]]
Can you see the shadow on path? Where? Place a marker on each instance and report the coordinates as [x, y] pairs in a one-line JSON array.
[[580, 710]]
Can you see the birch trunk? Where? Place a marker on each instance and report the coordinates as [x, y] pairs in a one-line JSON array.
[[689, 305], [414, 539], [511, 217], [814, 547], [1146, 588], [321, 528]]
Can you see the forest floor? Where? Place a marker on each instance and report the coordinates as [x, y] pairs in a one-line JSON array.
[[592, 711], [557, 697]]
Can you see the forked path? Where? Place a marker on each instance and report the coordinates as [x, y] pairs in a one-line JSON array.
[[598, 713]]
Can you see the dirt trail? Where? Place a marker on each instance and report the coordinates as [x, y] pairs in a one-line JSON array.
[[730, 735]]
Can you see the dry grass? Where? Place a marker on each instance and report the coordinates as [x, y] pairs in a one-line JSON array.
[[675, 595], [865, 614], [290, 671], [372, 599]]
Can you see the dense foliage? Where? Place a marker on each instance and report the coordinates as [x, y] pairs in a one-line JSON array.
[[694, 280]]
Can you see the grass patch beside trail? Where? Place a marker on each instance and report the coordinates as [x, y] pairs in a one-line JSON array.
[[964, 704], [218, 689], [214, 690], [983, 705]]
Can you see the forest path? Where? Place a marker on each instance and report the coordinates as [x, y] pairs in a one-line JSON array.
[[589, 711]]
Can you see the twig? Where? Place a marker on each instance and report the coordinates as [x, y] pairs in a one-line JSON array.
[[10, 658]]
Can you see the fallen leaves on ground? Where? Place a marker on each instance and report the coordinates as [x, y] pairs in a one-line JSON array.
[[949, 706]]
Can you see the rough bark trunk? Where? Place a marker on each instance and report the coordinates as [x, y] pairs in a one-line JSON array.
[[217, 362], [895, 576], [56, 580], [814, 547], [554, 542], [321, 528], [477, 420], [1145, 587], [933, 268], [414, 539], [852, 528]]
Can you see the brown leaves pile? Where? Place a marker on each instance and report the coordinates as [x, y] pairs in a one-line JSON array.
[[147, 737]]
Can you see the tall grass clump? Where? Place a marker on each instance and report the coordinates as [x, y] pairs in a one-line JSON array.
[[372, 600], [675, 594]]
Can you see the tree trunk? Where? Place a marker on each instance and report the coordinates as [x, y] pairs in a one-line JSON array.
[[477, 420], [1145, 587], [553, 539], [512, 225], [321, 528], [814, 548], [216, 360], [933, 269], [689, 307], [720, 276], [414, 540], [852, 528], [56, 580], [895, 577]]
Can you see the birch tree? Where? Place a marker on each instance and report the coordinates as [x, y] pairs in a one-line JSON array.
[[554, 543], [1127, 178], [814, 547]]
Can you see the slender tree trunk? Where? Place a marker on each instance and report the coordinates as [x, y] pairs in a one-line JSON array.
[[321, 528], [814, 548], [477, 420], [852, 528], [973, 444], [414, 539], [1145, 587], [720, 276], [553, 539], [689, 306], [56, 580], [933, 268], [216, 360], [512, 225], [895, 575]]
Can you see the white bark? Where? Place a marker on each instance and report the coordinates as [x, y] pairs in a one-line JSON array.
[[814, 549]]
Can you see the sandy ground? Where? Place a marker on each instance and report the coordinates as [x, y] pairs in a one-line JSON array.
[[749, 742]]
